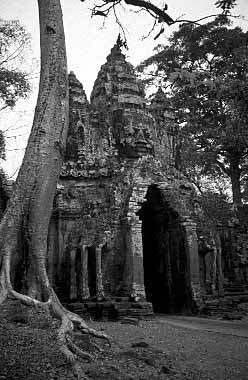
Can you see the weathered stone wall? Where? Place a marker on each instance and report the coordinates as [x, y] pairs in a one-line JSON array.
[[234, 241], [223, 252], [125, 222], [116, 154]]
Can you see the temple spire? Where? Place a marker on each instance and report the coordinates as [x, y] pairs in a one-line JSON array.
[[121, 43]]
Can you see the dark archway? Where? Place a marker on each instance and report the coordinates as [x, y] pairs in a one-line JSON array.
[[164, 254]]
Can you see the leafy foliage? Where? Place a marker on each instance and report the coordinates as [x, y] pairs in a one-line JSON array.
[[2, 145], [217, 209], [14, 83], [225, 5], [204, 72]]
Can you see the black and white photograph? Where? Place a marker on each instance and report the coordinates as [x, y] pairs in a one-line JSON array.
[[123, 190]]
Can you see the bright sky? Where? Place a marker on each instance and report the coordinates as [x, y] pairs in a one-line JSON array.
[[88, 44]]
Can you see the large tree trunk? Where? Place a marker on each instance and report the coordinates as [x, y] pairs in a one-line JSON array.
[[30, 206], [235, 181]]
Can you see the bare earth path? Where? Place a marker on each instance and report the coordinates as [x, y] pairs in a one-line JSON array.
[[236, 328], [200, 353]]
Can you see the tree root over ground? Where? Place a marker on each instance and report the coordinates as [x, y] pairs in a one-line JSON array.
[[70, 325], [69, 322], [29, 350]]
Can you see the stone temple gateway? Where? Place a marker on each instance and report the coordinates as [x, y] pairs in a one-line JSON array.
[[122, 228]]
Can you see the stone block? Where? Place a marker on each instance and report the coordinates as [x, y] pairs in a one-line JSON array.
[[130, 321]]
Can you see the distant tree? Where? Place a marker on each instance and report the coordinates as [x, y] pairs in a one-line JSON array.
[[2, 145], [14, 82], [204, 72], [217, 209]]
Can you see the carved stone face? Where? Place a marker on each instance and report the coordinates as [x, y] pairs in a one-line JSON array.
[[142, 139], [133, 137]]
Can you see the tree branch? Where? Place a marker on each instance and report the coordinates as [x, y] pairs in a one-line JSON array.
[[222, 167], [201, 19], [163, 16]]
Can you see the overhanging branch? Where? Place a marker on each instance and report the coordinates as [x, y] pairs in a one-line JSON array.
[[222, 167], [162, 15]]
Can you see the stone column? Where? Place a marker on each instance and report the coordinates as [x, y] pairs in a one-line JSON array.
[[208, 267], [192, 260], [73, 279], [99, 284], [202, 272], [51, 251], [61, 251], [133, 281], [84, 286], [137, 288], [213, 270], [220, 274]]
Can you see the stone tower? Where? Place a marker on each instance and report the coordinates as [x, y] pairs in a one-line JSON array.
[[122, 227]]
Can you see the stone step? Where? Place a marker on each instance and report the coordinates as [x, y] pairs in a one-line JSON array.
[[226, 307], [236, 288], [111, 309]]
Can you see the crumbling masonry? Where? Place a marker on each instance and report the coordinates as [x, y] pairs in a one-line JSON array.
[[122, 227], [127, 234]]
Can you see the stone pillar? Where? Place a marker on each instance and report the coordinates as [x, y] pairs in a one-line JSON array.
[[134, 269], [192, 261], [73, 279], [213, 270], [208, 267], [138, 288], [61, 247], [51, 251], [202, 272], [220, 274], [84, 286], [99, 284]]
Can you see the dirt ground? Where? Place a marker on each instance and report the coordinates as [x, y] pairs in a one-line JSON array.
[[148, 351]]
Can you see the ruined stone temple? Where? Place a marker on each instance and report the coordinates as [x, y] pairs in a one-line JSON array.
[[128, 234], [123, 229], [122, 226]]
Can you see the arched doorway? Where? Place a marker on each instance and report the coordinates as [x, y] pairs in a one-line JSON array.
[[164, 255]]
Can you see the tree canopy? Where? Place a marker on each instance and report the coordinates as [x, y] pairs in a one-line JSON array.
[[14, 82], [203, 71]]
